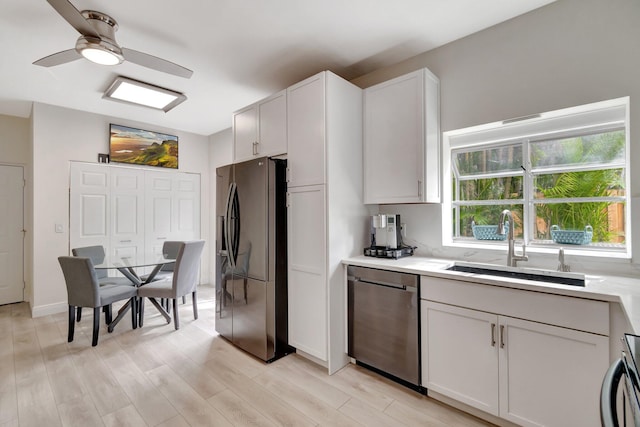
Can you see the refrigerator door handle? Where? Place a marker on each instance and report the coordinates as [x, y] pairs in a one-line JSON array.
[[227, 222], [236, 226]]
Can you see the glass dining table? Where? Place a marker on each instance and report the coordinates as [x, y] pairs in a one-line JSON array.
[[127, 265]]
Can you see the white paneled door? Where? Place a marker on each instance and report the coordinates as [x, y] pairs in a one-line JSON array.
[[127, 212], [11, 234], [89, 205], [172, 208]]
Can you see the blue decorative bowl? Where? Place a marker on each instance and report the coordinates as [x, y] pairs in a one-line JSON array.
[[572, 237], [487, 232]]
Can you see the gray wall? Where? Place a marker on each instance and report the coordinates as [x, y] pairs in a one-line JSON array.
[[568, 53]]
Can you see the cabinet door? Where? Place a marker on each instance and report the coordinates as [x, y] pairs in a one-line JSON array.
[[394, 140], [245, 133], [127, 212], [549, 375], [307, 270], [272, 125], [306, 131], [89, 210], [460, 354]]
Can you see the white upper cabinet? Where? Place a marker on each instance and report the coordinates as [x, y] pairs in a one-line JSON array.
[[306, 114], [402, 140], [260, 129]]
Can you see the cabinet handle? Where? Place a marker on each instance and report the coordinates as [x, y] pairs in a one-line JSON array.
[[493, 335], [288, 178], [501, 336], [255, 148], [125, 241], [419, 188]]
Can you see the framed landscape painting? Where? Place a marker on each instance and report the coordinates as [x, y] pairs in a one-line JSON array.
[[142, 147]]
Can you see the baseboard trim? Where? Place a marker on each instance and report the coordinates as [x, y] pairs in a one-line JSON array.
[[45, 310], [311, 358], [470, 410]]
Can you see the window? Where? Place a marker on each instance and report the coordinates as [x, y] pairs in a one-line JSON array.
[[562, 175]]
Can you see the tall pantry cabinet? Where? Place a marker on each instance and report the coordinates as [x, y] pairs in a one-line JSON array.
[[327, 220]]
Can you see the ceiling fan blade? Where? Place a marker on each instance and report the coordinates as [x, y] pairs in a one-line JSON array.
[[155, 63], [74, 17], [58, 58]]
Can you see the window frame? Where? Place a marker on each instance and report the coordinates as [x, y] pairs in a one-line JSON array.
[[582, 120]]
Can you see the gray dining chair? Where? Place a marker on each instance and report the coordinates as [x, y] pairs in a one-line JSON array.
[[169, 250], [97, 256], [183, 281], [83, 290]]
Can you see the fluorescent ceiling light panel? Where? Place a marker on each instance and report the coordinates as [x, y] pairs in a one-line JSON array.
[[135, 92]]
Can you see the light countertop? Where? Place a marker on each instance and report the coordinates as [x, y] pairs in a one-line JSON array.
[[622, 290]]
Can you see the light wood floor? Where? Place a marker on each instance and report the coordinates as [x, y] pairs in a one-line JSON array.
[[156, 376]]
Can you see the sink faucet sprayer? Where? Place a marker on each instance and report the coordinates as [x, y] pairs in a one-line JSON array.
[[512, 258]]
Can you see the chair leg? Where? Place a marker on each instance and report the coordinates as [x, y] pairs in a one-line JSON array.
[[141, 311], [176, 320], [72, 323], [96, 326], [195, 304], [134, 312], [245, 291], [78, 314], [108, 316]]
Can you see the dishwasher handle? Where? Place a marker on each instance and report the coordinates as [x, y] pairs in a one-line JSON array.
[[381, 283]]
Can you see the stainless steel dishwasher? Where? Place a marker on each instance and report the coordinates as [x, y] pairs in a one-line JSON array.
[[383, 326]]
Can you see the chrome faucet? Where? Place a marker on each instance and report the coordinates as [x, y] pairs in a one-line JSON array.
[[512, 258], [561, 264]]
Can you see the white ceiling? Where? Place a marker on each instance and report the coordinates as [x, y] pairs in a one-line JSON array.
[[240, 50]]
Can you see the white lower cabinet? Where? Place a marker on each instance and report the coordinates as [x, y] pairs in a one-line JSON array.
[[307, 270], [459, 356], [530, 373]]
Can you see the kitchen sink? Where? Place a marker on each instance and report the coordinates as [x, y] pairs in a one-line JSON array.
[[547, 276]]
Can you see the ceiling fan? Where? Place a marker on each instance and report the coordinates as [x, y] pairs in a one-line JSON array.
[[97, 43]]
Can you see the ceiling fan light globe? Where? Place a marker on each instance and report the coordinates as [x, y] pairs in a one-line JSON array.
[[99, 51], [99, 56]]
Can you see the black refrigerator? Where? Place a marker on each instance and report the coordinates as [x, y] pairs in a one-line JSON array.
[[251, 263]]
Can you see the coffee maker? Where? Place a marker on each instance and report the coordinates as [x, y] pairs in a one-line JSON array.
[[386, 231], [386, 237]]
